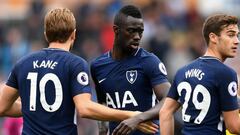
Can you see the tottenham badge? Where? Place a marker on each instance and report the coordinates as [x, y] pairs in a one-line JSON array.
[[131, 76]]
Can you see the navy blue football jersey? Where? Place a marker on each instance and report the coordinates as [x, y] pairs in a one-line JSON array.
[[127, 84], [205, 88], [47, 81]]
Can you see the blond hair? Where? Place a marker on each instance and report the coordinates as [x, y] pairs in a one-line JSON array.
[[59, 24]]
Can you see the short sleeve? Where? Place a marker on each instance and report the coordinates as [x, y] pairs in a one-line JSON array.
[[80, 80], [155, 70], [12, 79], [100, 95], [228, 90], [173, 93]]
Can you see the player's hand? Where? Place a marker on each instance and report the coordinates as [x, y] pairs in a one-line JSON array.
[[129, 125], [126, 127]]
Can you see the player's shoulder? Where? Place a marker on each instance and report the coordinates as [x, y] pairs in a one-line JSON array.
[[66, 56], [100, 59], [225, 70], [28, 57], [75, 58], [44, 53], [141, 52], [213, 65], [191, 65], [219, 67], [216, 64], [146, 56]]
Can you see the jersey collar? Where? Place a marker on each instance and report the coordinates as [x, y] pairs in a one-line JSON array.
[[109, 53], [210, 57]]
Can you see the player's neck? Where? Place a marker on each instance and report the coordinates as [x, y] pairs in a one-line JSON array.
[[64, 46], [118, 53], [213, 53]]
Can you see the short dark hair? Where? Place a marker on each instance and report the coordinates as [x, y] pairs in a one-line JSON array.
[[128, 10], [59, 24], [216, 24]]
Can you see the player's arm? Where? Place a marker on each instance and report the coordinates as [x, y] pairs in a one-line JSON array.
[[8, 104], [131, 123], [166, 116], [160, 92], [228, 100], [232, 121], [157, 75], [86, 108]]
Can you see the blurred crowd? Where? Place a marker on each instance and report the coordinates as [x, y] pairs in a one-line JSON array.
[[172, 29]]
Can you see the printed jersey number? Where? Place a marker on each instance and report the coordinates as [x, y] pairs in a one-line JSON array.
[[202, 105], [42, 83]]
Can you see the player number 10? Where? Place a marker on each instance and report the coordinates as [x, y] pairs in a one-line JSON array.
[[199, 105], [42, 83]]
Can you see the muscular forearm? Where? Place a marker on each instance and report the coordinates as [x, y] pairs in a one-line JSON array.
[[161, 92], [150, 114], [167, 124], [140, 122], [89, 109], [166, 116], [10, 106], [99, 112], [15, 110]]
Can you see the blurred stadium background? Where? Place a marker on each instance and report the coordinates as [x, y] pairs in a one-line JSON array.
[[172, 31]]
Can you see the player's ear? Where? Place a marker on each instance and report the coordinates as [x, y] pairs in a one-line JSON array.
[[73, 35], [45, 35], [213, 38], [116, 29]]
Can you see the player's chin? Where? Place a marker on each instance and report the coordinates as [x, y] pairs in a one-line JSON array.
[[232, 55]]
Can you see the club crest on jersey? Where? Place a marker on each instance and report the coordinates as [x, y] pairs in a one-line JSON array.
[[131, 76]]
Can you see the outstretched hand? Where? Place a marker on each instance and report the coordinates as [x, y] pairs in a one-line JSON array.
[[129, 125]]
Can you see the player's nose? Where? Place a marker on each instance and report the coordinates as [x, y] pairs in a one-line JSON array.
[[136, 36], [237, 41]]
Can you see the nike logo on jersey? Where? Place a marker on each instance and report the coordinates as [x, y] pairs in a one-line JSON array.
[[101, 80]]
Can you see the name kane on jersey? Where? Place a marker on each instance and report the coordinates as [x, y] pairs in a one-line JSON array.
[[44, 64]]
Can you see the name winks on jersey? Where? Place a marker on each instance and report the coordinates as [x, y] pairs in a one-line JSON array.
[[194, 73]]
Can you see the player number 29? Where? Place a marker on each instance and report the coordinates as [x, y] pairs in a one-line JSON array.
[[42, 83], [202, 105]]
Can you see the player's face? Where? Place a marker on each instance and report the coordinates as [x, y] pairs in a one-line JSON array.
[[131, 34], [228, 41]]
